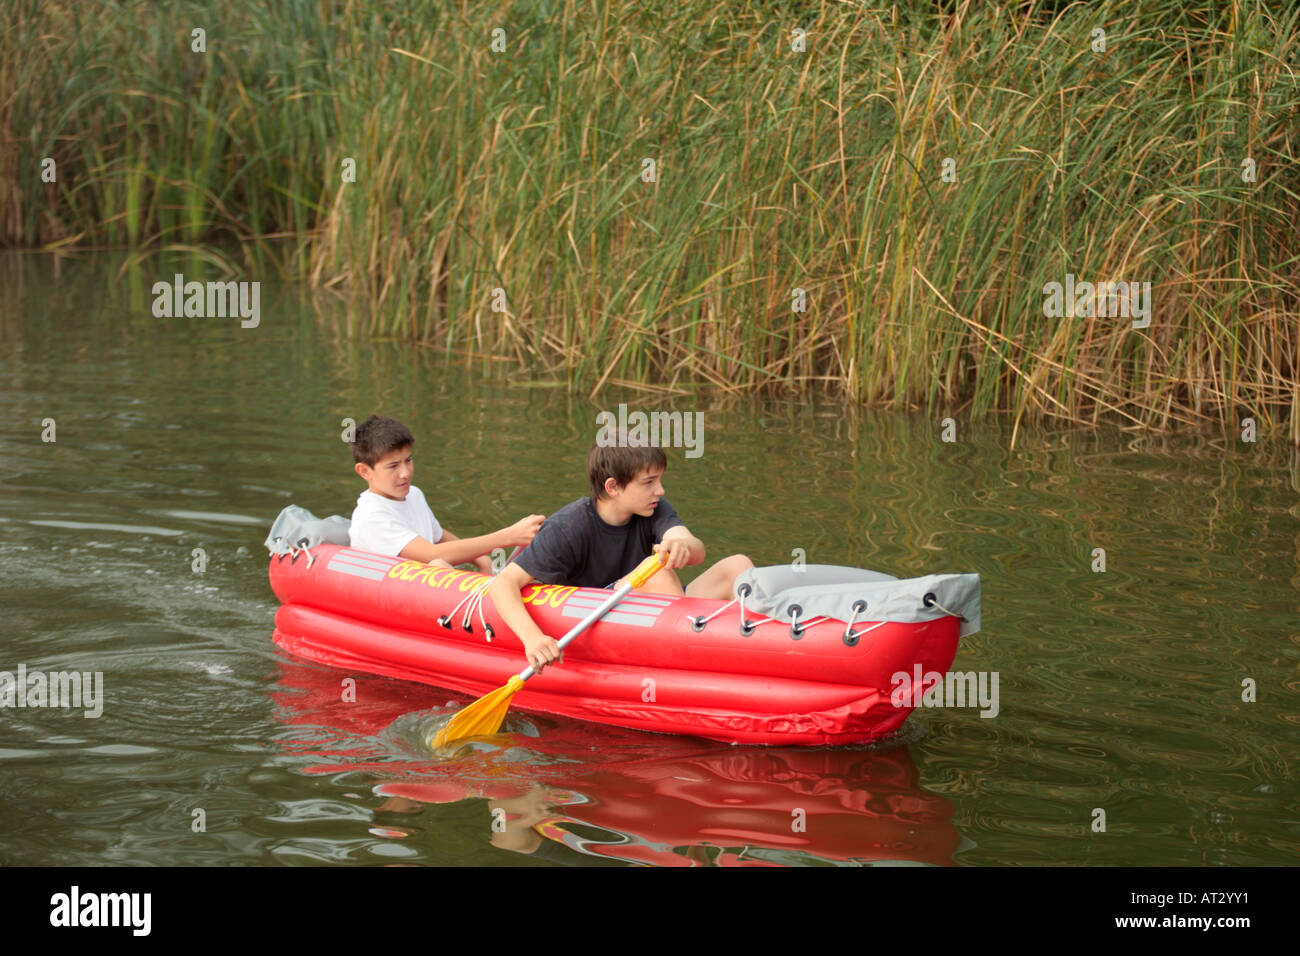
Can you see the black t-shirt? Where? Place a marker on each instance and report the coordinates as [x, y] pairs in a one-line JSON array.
[[576, 546]]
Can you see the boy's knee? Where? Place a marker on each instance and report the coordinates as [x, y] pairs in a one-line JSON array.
[[439, 563], [738, 563], [664, 581], [732, 567], [718, 581]]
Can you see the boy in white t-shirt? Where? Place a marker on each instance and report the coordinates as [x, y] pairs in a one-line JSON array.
[[392, 517]]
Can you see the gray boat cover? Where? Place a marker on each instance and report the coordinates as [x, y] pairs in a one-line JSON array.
[[831, 590], [299, 528]]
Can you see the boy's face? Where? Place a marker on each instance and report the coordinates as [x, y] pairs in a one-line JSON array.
[[640, 495], [391, 476]]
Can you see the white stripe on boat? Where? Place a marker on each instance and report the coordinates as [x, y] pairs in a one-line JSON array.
[[585, 605], [365, 557], [599, 594], [358, 570], [637, 620]]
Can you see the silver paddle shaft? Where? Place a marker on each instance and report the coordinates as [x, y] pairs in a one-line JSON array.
[[596, 614]]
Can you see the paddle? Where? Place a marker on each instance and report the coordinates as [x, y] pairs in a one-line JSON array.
[[483, 717]]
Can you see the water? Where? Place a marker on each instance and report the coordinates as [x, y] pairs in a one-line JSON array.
[[1120, 691]]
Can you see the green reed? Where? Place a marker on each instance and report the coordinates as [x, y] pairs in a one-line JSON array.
[[500, 210]]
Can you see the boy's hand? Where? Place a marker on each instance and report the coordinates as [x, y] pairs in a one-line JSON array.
[[679, 552], [524, 530], [541, 652]]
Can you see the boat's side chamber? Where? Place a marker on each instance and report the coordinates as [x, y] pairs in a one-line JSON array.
[[642, 666]]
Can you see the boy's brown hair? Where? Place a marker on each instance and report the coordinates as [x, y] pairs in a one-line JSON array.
[[621, 462], [377, 436]]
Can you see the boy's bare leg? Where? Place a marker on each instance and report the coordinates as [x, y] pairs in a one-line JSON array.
[[717, 582], [665, 581]]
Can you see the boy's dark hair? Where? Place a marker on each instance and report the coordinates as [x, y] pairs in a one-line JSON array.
[[377, 436], [620, 461]]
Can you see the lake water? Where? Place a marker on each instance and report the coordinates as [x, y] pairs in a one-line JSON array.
[[1121, 691]]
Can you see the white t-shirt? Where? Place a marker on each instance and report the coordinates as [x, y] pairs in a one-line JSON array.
[[385, 526]]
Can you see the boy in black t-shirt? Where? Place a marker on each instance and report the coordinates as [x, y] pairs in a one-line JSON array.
[[597, 541]]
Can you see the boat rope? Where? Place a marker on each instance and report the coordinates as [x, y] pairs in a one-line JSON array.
[[796, 629], [296, 552], [747, 627], [476, 604], [467, 622], [852, 637], [700, 621], [475, 592], [929, 600], [488, 633], [858, 608]]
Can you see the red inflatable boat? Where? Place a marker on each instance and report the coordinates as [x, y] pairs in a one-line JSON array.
[[678, 665]]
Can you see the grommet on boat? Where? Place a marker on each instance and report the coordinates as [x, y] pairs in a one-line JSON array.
[[746, 626], [698, 622], [445, 621], [931, 601], [796, 632], [850, 638]]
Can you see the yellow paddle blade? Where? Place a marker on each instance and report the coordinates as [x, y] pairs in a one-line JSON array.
[[484, 717], [481, 718]]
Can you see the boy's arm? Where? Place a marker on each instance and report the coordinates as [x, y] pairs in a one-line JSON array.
[[683, 547], [507, 599], [450, 548], [456, 550], [483, 562]]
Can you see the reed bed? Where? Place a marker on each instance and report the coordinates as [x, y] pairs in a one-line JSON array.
[[501, 208]]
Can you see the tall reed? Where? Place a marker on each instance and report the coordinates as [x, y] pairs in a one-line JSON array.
[[501, 206]]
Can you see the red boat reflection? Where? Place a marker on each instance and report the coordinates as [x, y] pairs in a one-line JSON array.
[[622, 795]]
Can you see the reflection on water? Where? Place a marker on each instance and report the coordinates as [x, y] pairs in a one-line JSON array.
[[1161, 690], [645, 799]]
